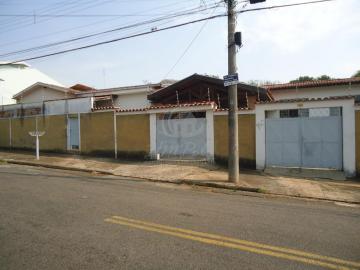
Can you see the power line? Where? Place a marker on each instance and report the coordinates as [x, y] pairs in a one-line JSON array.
[[188, 47], [75, 8], [119, 39], [285, 5], [187, 12], [78, 15], [164, 29], [94, 23]]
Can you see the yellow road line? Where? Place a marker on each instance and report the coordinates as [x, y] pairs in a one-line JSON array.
[[244, 242], [229, 245]]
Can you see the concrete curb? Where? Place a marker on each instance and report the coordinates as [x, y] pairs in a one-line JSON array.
[[107, 172], [178, 182]]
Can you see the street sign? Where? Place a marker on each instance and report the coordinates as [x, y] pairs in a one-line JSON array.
[[37, 134], [231, 79]]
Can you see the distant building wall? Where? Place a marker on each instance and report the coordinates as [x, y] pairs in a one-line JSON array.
[[97, 133], [52, 107], [357, 135], [247, 153], [132, 101], [41, 94], [133, 135], [316, 92], [68, 106]]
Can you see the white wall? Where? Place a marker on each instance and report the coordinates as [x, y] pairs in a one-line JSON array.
[[41, 93], [68, 106], [318, 92], [13, 85], [348, 121], [132, 101]]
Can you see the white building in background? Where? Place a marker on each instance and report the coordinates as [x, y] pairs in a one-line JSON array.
[[17, 77]]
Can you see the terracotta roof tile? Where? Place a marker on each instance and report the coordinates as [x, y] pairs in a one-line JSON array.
[[194, 104], [132, 110], [226, 109], [104, 108], [317, 83], [305, 99]]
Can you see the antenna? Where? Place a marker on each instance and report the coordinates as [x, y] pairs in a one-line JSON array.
[[247, 100], [177, 97]]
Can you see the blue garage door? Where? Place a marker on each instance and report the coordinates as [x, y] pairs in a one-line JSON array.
[[308, 138]]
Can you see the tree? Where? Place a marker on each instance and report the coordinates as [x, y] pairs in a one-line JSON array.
[[310, 79], [356, 75], [303, 79], [323, 78]]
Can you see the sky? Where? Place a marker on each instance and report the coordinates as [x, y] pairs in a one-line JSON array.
[[278, 44]]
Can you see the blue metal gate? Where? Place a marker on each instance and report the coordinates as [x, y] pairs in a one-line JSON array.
[[308, 142]]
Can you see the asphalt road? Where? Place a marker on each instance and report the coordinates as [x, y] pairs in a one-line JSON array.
[[51, 219]]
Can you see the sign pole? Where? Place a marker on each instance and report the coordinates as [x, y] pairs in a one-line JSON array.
[[37, 147], [233, 166], [37, 134]]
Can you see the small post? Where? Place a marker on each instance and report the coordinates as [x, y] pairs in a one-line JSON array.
[[37, 147], [37, 134]]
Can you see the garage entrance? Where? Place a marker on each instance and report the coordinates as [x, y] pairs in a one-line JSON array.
[[307, 138], [181, 135]]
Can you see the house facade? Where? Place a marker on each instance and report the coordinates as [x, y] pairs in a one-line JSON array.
[[310, 125], [188, 120]]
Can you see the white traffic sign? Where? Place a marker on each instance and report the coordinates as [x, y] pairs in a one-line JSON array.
[[37, 134], [231, 79]]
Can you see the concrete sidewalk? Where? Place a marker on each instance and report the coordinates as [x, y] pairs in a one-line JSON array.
[[198, 173]]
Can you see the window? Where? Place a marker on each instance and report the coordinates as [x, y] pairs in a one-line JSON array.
[[181, 115], [357, 99], [304, 113], [335, 111], [289, 113]]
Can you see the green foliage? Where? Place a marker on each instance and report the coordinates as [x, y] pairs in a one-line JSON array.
[[324, 77], [303, 79], [310, 79], [356, 75]]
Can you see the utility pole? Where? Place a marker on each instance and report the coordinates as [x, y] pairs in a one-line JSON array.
[[233, 165]]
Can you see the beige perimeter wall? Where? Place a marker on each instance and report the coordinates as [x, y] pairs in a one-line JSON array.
[[133, 135], [97, 133], [357, 136], [246, 139], [54, 138], [4, 133]]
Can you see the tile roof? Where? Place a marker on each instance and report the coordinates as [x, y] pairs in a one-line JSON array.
[[194, 104], [82, 87], [167, 106], [317, 83], [226, 109], [104, 108], [132, 110], [306, 99]]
